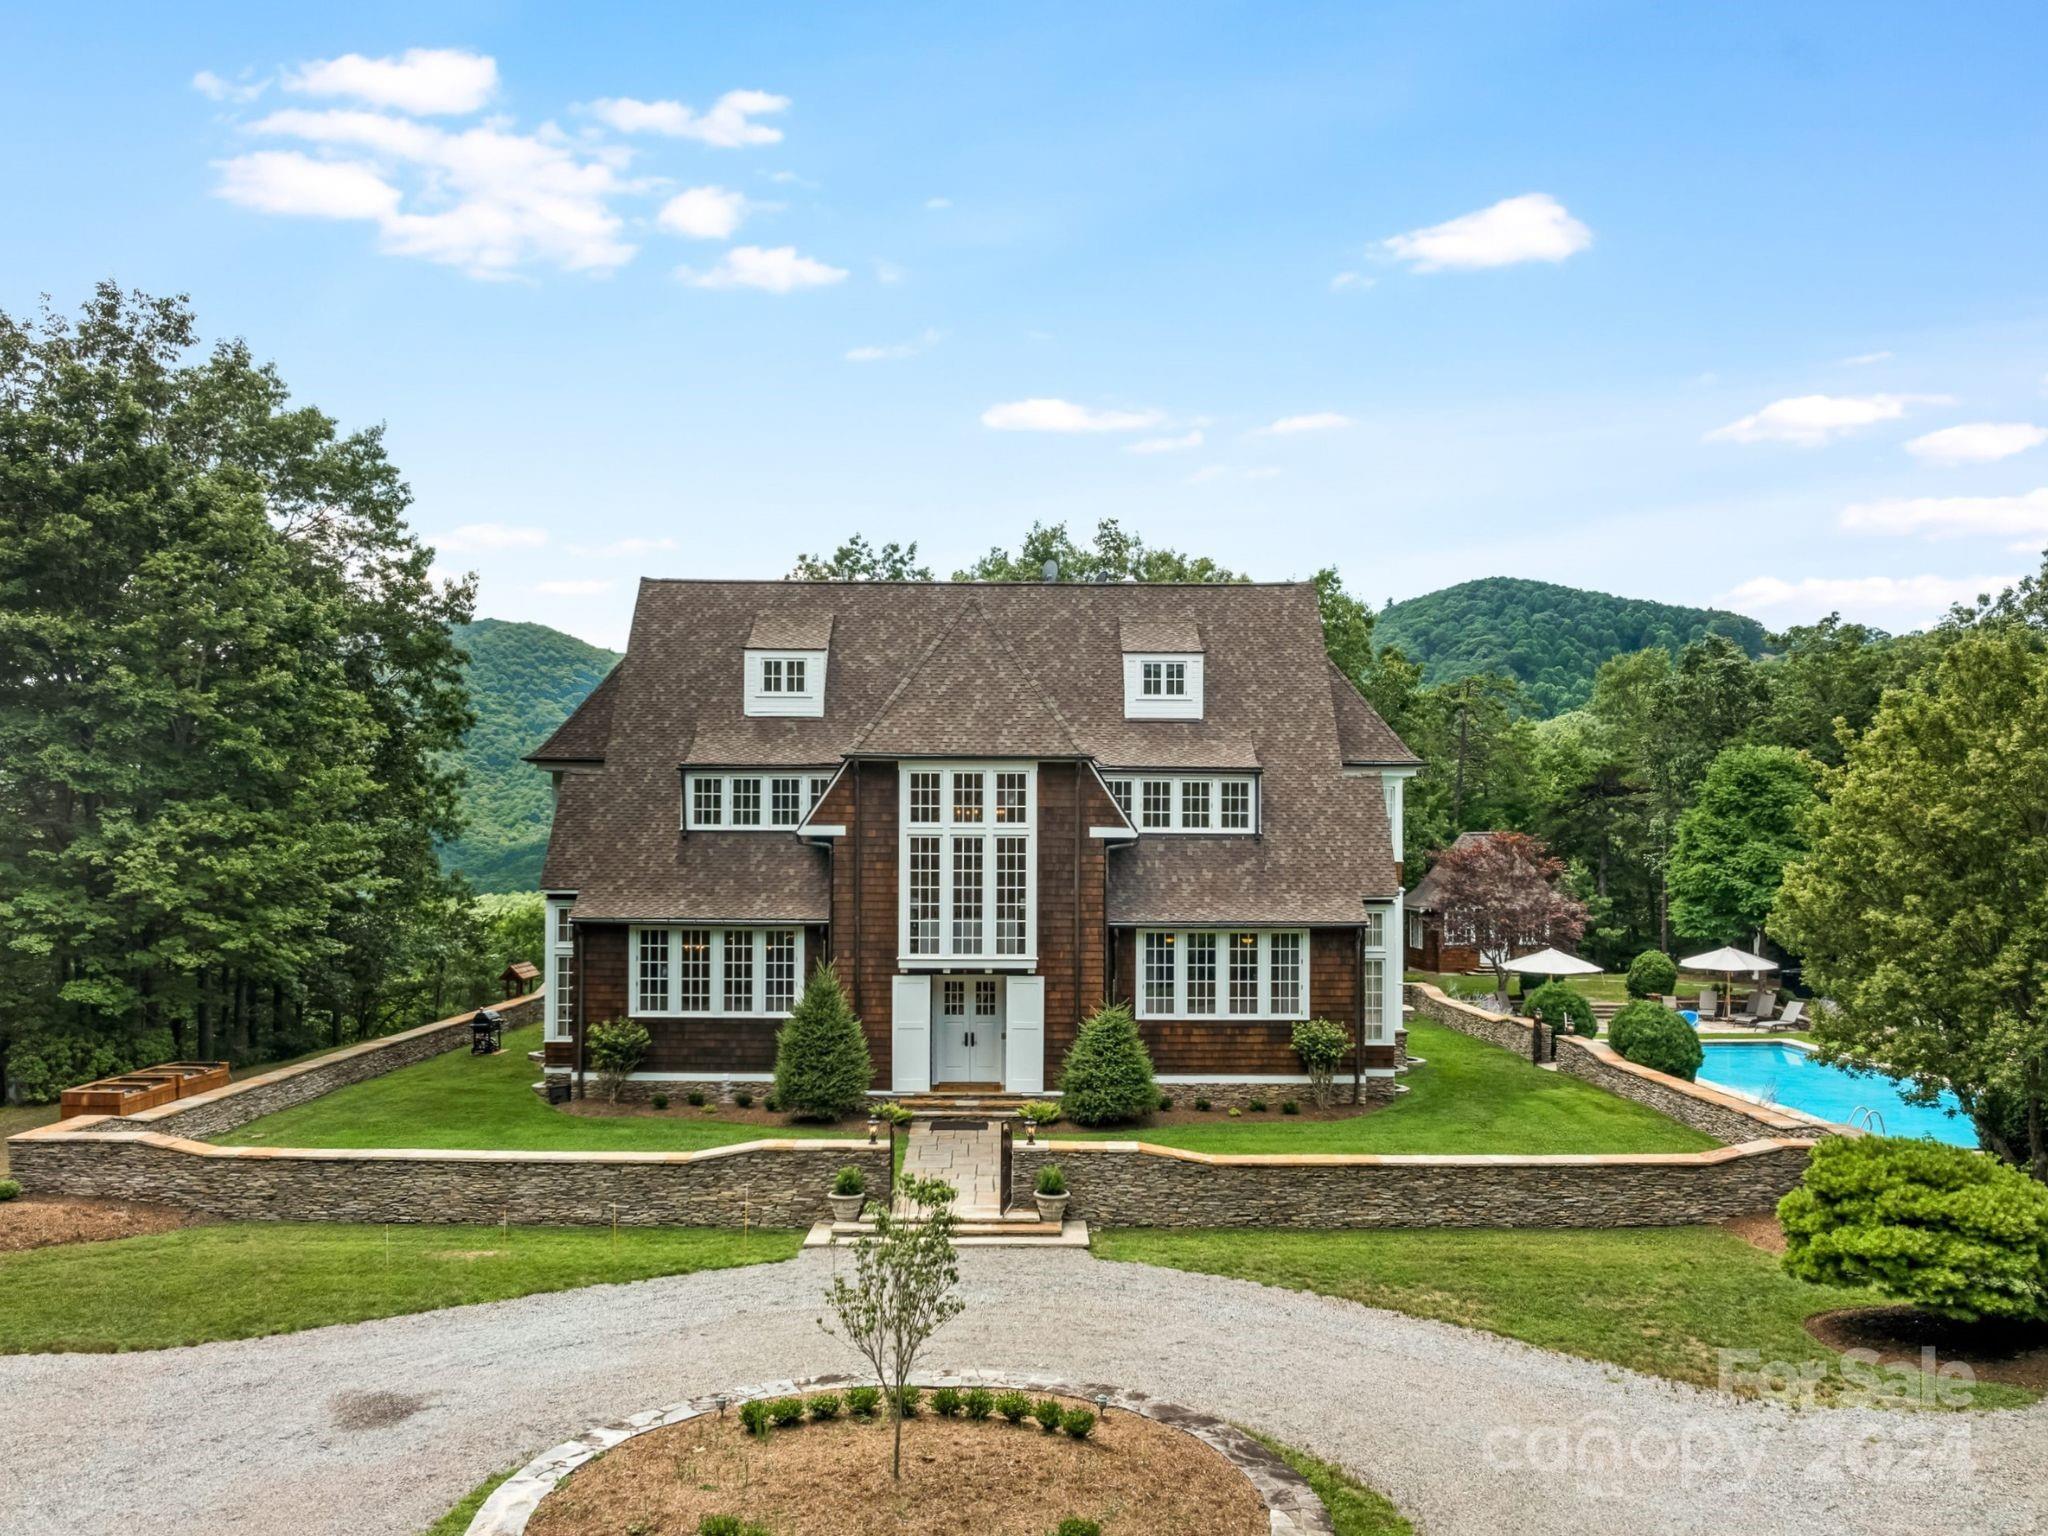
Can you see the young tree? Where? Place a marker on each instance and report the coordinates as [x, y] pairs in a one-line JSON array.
[[822, 1068], [1503, 888], [1734, 841], [1922, 910], [905, 1288]]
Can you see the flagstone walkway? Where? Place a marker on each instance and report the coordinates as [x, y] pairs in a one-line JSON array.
[[967, 1153]]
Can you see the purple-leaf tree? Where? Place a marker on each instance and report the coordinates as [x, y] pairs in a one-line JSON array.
[[1502, 889]]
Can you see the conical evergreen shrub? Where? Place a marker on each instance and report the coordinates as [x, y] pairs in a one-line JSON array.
[[1108, 1076], [822, 1068]]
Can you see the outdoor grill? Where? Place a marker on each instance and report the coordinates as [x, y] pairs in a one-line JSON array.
[[485, 1032]]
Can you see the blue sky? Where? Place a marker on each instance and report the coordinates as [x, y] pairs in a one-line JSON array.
[[1741, 304]]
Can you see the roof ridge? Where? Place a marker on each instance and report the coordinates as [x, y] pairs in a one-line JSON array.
[[970, 609], [903, 682], [1009, 650]]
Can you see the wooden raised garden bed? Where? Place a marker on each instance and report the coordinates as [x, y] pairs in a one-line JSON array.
[[130, 1093]]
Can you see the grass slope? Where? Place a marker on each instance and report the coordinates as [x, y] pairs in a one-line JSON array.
[[1550, 638], [1663, 1300], [524, 680], [242, 1282], [460, 1100], [1468, 1096]]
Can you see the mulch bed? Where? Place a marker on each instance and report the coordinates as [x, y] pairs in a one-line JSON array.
[[1759, 1231], [724, 1114], [2001, 1352], [39, 1222], [960, 1478], [1185, 1113]]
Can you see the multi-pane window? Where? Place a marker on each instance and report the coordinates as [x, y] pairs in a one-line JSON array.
[[1198, 965], [564, 934], [967, 855], [785, 801], [985, 998], [1377, 1011], [1374, 980], [719, 971], [953, 998], [787, 683], [783, 674], [771, 674], [1375, 929], [1189, 802], [1164, 679], [1246, 974], [652, 992], [560, 962], [753, 801]]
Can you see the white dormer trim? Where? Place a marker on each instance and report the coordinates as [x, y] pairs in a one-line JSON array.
[[1163, 685], [785, 682]]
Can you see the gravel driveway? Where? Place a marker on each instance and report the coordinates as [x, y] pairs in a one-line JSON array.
[[376, 1428]]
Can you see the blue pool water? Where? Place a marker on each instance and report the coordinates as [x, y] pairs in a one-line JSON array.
[[1781, 1074]]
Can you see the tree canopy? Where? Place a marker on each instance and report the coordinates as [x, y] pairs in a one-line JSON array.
[[1735, 839]]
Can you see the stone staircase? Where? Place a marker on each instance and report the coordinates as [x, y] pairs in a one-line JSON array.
[[966, 1151]]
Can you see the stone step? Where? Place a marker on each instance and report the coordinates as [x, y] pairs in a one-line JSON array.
[[979, 1234]]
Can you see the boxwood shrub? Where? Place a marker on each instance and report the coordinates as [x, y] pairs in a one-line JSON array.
[[1651, 1035], [1651, 974], [1561, 1009]]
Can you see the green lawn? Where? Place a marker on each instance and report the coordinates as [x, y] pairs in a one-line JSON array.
[[1664, 1300], [456, 1521], [460, 1100], [1355, 1510], [1467, 1096], [241, 1282]]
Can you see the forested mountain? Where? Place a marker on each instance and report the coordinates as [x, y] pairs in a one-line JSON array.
[[1551, 639], [524, 679]]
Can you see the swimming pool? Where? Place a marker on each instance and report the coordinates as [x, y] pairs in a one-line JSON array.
[[1784, 1074]]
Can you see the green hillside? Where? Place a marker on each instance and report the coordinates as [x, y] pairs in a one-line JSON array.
[[1551, 638], [524, 679]]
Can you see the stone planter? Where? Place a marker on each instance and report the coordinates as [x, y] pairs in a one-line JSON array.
[[1051, 1207], [846, 1207]]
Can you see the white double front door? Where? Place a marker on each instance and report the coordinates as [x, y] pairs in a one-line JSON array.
[[967, 1029]]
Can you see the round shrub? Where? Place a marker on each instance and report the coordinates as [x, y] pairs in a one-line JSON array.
[[617, 1047], [823, 1406], [1651, 1035], [1941, 1227], [1078, 1422], [979, 1403], [1561, 1009], [1049, 1412], [947, 1402], [1014, 1406], [1651, 974], [1108, 1075], [1322, 1047], [822, 1070], [10, 1189], [661, 1101], [862, 1401]]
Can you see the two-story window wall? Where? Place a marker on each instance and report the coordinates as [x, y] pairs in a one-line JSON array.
[[967, 867]]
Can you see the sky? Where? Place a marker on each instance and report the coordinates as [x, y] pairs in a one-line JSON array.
[[1740, 304]]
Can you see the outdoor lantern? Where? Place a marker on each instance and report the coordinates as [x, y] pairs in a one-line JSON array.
[[1102, 1405], [486, 1032], [874, 1127]]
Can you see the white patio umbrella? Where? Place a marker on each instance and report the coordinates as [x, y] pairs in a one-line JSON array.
[[1552, 963], [1728, 962]]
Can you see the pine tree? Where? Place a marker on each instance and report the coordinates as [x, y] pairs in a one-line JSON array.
[[822, 1068]]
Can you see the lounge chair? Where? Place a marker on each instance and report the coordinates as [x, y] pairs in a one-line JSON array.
[[1761, 1004], [1793, 1015], [1710, 1002]]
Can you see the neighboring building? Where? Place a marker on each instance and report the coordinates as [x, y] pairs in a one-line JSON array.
[[1437, 940], [990, 807]]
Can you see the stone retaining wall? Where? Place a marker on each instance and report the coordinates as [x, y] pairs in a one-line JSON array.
[[773, 1183], [1728, 1119], [1135, 1184], [230, 1108]]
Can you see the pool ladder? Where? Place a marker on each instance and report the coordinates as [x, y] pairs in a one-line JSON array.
[[1865, 1118]]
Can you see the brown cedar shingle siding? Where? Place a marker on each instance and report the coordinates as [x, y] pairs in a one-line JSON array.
[[679, 697]]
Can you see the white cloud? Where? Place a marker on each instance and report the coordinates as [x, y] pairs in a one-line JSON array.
[[1532, 227], [894, 351], [471, 538], [1168, 444], [1812, 420], [287, 182], [1314, 421], [215, 88], [728, 125], [486, 199], [428, 81], [703, 213], [778, 269], [1045, 415], [889, 273], [1914, 598], [1865, 359], [1977, 442], [1347, 280], [575, 588], [1952, 516]]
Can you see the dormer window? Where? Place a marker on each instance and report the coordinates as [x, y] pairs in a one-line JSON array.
[[785, 682], [1164, 679], [1163, 687], [782, 674]]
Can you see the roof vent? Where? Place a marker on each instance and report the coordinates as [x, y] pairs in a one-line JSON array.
[[1050, 571]]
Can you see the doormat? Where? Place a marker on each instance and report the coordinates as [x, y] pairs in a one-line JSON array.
[[959, 1125]]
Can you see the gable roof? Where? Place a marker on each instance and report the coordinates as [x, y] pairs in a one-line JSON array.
[[1026, 670], [581, 738], [1362, 735], [1427, 895], [1164, 636]]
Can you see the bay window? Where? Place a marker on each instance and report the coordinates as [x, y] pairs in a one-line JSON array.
[[967, 854], [723, 972], [1222, 974]]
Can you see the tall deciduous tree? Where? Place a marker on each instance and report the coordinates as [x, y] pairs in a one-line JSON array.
[[1922, 910], [1114, 555], [1503, 889], [858, 560], [1734, 841]]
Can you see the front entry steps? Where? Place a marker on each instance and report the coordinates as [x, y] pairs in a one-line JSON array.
[[1018, 1227]]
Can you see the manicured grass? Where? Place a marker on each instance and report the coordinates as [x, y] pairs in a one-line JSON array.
[[240, 1282], [1467, 1096], [456, 1521], [16, 1118], [1664, 1300], [1355, 1510], [460, 1100]]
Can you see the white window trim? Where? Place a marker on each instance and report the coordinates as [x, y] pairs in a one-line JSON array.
[[1139, 705], [1222, 1016], [813, 785], [1384, 948], [949, 833], [558, 953], [717, 1010], [811, 701], [1215, 781]]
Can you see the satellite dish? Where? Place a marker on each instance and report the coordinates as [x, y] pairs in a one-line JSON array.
[[1051, 570]]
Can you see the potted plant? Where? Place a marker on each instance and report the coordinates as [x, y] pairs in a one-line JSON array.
[[849, 1193], [1050, 1193]]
